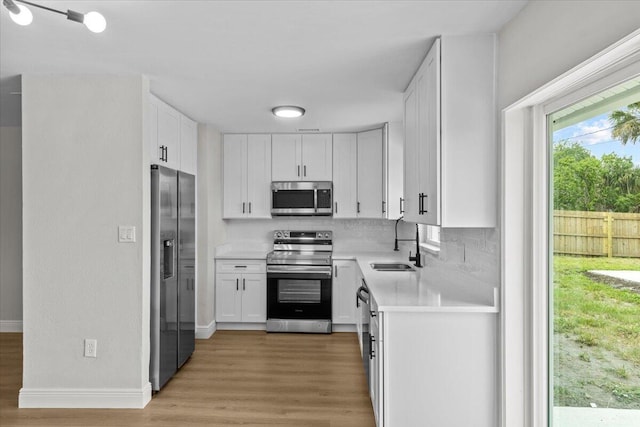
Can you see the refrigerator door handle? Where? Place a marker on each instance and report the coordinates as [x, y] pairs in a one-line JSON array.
[[169, 258]]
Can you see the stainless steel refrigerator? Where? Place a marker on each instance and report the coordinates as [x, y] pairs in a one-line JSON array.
[[173, 247]]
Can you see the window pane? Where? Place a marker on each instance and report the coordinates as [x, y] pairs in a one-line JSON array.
[[595, 338]]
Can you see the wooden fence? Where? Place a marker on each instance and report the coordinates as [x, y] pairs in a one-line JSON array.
[[610, 234]]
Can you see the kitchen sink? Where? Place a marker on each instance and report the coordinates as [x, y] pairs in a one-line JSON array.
[[391, 266]]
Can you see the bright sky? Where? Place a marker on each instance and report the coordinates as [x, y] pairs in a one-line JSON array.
[[595, 135]]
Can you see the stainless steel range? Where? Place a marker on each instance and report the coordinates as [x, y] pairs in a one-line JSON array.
[[299, 282]]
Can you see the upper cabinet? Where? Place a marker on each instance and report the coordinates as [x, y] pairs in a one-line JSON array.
[[358, 174], [304, 157], [450, 141], [173, 137], [370, 165], [246, 176], [393, 169], [188, 145]]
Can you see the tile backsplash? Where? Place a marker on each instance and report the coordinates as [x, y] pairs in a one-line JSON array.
[[464, 252]]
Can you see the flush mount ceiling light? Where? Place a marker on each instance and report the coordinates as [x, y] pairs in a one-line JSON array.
[[288, 111], [21, 15]]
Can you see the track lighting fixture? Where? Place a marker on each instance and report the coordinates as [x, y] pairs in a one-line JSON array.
[[21, 15]]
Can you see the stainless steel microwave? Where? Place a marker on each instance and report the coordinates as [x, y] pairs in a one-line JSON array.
[[301, 198]]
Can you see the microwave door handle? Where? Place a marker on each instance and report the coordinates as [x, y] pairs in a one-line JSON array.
[[315, 200]]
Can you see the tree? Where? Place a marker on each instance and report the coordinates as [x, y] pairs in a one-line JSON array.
[[626, 124], [577, 178], [582, 182]]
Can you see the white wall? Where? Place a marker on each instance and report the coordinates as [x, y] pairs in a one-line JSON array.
[[210, 225], [10, 229], [548, 38], [84, 173]]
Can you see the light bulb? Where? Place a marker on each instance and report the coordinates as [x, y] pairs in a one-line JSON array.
[[288, 111], [95, 22], [23, 18]]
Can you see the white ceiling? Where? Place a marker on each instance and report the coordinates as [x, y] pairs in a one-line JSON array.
[[227, 63]]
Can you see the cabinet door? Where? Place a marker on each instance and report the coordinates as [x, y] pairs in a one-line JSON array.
[[345, 184], [169, 135], [344, 292], [152, 130], [394, 152], [428, 90], [374, 367], [259, 176], [254, 298], [234, 176], [188, 145], [370, 184], [410, 155], [228, 298], [317, 157], [286, 157]]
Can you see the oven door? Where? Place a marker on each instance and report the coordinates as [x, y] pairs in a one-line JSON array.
[[298, 292]]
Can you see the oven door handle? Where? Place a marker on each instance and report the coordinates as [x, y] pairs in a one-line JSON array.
[[301, 269], [359, 296]]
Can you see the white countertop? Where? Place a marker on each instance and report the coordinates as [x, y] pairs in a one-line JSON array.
[[427, 289]]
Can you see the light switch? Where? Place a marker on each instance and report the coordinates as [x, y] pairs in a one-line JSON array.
[[126, 234]]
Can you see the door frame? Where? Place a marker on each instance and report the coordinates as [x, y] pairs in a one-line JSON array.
[[525, 208]]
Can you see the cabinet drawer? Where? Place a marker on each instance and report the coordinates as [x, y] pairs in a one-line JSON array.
[[241, 266]]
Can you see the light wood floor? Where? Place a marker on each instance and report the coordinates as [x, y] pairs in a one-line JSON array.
[[236, 378]]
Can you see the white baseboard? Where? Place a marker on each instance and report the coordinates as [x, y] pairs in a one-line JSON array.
[[228, 326], [84, 398], [10, 325], [343, 328], [205, 332]]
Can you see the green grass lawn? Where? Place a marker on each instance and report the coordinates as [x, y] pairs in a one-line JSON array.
[[597, 335]]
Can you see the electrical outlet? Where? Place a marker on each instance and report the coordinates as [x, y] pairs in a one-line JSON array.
[[90, 348]]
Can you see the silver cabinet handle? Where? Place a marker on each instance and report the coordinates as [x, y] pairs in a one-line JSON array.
[[335, 268], [249, 207], [401, 205], [336, 207], [358, 208], [237, 284], [384, 206], [243, 207], [298, 170], [305, 170], [244, 288]]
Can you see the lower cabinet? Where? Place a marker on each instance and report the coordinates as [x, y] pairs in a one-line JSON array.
[[434, 369], [343, 292], [241, 291]]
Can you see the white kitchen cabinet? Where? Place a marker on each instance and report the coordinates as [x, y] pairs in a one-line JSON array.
[[344, 292], [188, 145], [173, 137], [370, 172], [246, 176], [450, 173], [345, 175], [358, 174], [375, 361], [448, 362], [410, 202], [241, 291], [168, 136], [306, 157], [393, 169]]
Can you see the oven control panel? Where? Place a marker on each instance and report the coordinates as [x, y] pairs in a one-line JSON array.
[[302, 235]]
